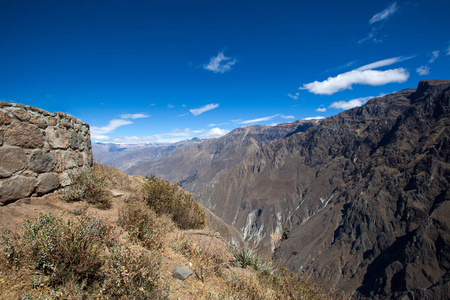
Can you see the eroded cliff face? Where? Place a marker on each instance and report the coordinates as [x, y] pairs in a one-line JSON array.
[[364, 195], [38, 149]]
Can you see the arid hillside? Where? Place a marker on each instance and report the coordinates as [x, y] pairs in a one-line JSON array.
[[100, 238]]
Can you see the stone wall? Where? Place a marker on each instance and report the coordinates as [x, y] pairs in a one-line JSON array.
[[38, 150]]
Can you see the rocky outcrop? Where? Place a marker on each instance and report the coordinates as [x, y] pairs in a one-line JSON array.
[[38, 149]]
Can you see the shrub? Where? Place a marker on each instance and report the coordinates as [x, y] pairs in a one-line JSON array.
[[65, 249], [88, 185], [143, 225], [167, 198], [205, 262], [132, 274], [12, 251]]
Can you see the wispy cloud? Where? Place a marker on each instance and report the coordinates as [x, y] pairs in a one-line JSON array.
[[99, 132], [384, 14], [134, 116], [220, 63], [169, 137], [423, 70], [258, 120], [321, 109], [170, 106], [340, 68], [376, 23], [448, 51], [213, 125], [384, 62], [346, 80], [351, 103], [200, 110], [434, 56], [295, 96], [287, 117]]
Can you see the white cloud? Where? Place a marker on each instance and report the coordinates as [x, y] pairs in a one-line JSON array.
[[448, 51], [385, 13], [170, 106], [351, 103], [434, 56], [169, 137], [97, 132], [346, 80], [423, 70], [321, 109], [295, 97], [383, 63], [314, 118], [287, 117], [134, 116], [215, 132], [220, 63], [256, 120], [200, 110]]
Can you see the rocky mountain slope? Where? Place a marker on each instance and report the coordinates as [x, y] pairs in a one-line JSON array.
[[124, 156], [364, 196], [199, 166]]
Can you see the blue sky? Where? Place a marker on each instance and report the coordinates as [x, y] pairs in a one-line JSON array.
[[163, 71]]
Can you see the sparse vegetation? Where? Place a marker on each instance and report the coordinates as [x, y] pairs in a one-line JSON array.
[[88, 185], [60, 249], [143, 224], [167, 198], [80, 257], [132, 274]]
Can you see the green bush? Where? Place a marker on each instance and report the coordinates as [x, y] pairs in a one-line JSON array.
[[167, 198], [88, 185]]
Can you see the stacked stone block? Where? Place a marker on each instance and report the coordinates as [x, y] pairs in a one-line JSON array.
[[38, 150]]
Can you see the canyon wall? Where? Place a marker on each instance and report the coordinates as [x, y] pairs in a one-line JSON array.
[[38, 150]]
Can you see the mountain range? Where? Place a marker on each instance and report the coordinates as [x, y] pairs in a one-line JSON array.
[[358, 201]]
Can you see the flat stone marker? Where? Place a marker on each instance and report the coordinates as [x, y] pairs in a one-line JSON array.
[[181, 273]]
